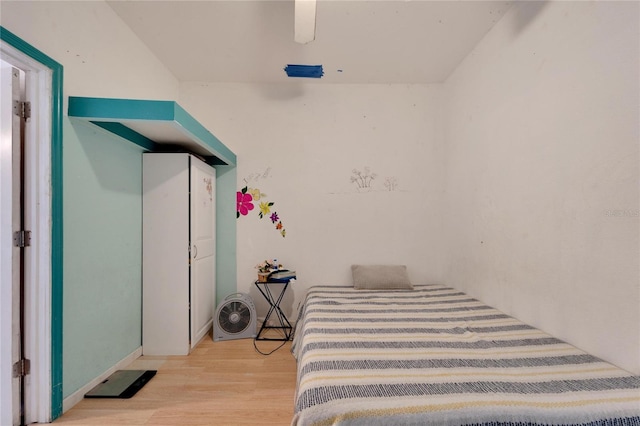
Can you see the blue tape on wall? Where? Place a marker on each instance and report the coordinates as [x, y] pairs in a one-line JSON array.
[[309, 71]]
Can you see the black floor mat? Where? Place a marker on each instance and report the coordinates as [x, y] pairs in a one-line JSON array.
[[121, 384]]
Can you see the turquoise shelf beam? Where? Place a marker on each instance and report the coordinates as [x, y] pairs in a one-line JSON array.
[[154, 125]]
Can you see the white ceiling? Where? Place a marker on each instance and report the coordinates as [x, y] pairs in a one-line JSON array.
[[357, 41]]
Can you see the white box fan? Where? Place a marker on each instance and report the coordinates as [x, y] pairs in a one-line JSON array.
[[235, 318]]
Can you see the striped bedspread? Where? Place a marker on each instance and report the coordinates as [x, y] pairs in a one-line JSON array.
[[435, 356]]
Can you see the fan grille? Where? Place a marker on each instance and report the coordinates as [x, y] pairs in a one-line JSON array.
[[234, 317]]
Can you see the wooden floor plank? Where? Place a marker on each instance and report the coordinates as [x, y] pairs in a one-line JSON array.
[[219, 383]]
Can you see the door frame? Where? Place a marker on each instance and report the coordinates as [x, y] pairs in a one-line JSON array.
[[43, 304]]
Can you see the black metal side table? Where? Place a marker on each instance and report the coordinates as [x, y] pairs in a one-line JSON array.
[[274, 300]]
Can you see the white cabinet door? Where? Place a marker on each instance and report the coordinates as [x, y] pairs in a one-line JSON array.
[[203, 244], [165, 254], [178, 243]]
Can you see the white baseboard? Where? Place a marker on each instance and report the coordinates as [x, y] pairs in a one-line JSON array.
[[78, 395]]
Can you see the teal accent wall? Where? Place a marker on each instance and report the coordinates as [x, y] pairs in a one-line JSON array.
[[57, 79], [123, 112], [226, 271], [103, 252], [103, 249]]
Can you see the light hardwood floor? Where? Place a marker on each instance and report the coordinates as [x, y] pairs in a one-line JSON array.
[[219, 383]]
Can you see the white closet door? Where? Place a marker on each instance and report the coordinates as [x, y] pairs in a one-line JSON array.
[[203, 183], [165, 260]]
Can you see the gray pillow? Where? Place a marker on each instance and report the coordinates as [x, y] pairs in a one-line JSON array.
[[380, 277]]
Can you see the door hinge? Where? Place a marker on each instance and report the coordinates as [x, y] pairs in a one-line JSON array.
[[22, 368], [22, 239], [22, 109]]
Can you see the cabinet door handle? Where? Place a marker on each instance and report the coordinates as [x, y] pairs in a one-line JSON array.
[[195, 251]]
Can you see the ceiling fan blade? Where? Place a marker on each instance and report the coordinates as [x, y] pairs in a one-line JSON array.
[[305, 21]]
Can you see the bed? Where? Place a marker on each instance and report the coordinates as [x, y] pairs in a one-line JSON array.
[[435, 356]]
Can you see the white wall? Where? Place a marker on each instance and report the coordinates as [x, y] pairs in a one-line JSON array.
[[102, 178], [299, 143], [101, 56], [542, 173]]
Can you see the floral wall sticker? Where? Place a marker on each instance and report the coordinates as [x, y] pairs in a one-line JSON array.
[[244, 203], [257, 176], [391, 183], [245, 199], [208, 182], [364, 180]]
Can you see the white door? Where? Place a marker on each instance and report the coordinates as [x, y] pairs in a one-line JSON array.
[[10, 268], [33, 191], [202, 271]]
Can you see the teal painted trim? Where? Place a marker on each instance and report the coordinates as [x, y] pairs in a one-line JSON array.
[[120, 109], [57, 250], [129, 110], [57, 80], [128, 134]]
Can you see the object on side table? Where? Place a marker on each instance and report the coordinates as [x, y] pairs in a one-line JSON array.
[[281, 275]]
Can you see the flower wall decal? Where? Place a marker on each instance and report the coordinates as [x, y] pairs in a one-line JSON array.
[[243, 203], [208, 182], [265, 209], [391, 183], [363, 179], [245, 199]]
